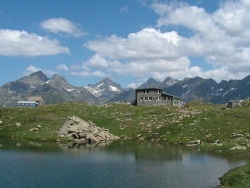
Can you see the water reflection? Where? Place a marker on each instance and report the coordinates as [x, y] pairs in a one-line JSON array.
[[113, 164], [140, 151]]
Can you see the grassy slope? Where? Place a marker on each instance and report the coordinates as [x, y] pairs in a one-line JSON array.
[[156, 123]]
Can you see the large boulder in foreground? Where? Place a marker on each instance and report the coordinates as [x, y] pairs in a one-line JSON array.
[[81, 131]]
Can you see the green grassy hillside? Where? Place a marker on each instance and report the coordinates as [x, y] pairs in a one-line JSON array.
[[202, 121]]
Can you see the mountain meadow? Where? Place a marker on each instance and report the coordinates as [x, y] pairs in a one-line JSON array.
[[203, 126]]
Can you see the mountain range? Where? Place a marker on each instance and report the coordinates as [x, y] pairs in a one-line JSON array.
[[58, 90]]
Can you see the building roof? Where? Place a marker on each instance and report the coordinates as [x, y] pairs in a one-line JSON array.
[[35, 98], [149, 88], [29, 102]]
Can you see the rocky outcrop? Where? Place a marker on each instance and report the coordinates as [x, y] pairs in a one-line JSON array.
[[80, 131]]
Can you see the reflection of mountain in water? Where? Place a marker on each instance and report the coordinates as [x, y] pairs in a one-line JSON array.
[[158, 152], [149, 151]]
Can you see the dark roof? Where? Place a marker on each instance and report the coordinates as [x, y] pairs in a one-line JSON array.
[[149, 88], [172, 95]]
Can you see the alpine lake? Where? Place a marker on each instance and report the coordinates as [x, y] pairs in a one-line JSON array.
[[114, 164]]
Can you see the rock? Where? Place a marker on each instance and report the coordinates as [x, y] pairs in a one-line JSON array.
[[84, 132], [75, 119], [18, 124], [82, 135], [205, 119], [34, 129], [238, 148], [91, 138], [39, 126], [72, 128], [1, 122], [194, 143]]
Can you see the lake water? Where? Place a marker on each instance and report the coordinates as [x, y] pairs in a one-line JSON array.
[[30, 164]]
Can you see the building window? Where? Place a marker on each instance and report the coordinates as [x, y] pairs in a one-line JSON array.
[[150, 98], [157, 98], [141, 98], [146, 98]]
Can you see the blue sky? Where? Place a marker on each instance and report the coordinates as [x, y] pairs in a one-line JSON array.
[[128, 41]]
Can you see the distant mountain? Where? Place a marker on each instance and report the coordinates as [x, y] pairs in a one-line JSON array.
[[154, 83], [208, 90], [58, 90], [54, 90], [197, 89], [105, 89], [126, 96]]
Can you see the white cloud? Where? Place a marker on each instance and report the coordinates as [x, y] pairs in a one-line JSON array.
[[221, 39], [134, 85], [145, 44], [62, 67], [89, 73], [62, 26], [21, 43], [97, 61], [31, 69], [124, 9]]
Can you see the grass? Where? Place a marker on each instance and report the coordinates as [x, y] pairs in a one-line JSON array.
[[237, 178], [202, 121]]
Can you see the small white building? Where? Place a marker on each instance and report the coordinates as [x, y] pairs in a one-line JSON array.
[[27, 104], [32, 101]]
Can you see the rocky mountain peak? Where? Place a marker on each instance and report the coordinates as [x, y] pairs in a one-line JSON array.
[[40, 75], [169, 81], [36, 79], [60, 83], [104, 89]]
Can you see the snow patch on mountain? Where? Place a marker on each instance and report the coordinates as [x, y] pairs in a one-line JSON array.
[[114, 89], [232, 89], [106, 88]]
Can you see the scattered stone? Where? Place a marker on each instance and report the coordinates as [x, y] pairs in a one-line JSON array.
[[18, 124], [39, 126], [205, 119], [1, 122], [194, 143], [34, 129], [238, 148]]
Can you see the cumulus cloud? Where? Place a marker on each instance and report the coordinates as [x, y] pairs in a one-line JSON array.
[[62, 26], [148, 43], [22, 43], [89, 73], [62, 67], [31, 69], [124, 9], [220, 38]]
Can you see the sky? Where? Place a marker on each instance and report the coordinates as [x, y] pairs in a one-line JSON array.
[[128, 41]]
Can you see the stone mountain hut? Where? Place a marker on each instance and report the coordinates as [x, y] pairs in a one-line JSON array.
[[155, 96]]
